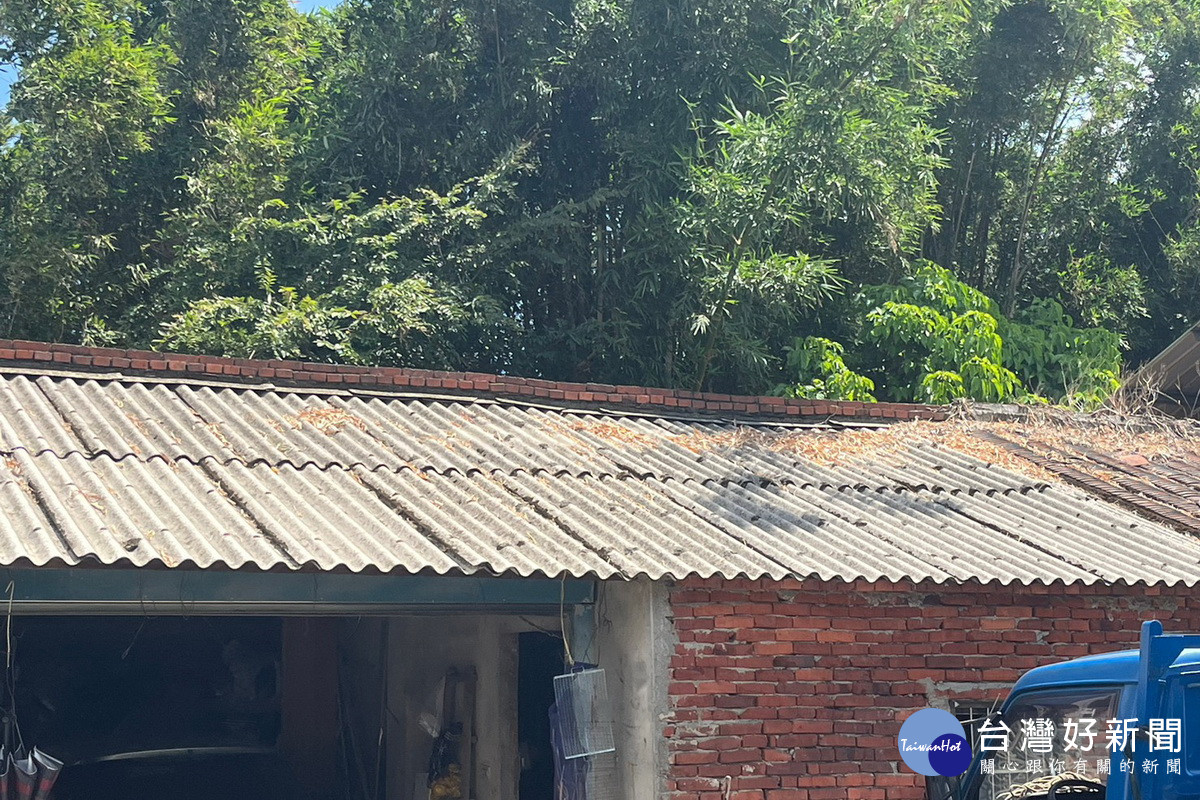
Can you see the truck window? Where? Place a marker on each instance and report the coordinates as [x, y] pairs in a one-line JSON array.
[[1049, 739], [1191, 721], [973, 714]]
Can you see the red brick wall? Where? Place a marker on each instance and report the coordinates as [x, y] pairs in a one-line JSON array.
[[795, 690]]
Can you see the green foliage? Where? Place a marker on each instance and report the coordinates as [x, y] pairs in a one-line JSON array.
[[941, 386], [823, 373], [116, 101], [938, 338], [933, 339], [1079, 365], [282, 325], [400, 281], [1069, 176], [840, 142], [979, 199], [404, 318]]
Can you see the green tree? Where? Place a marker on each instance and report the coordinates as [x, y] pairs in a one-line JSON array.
[[713, 195], [932, 338], [116, 104], [837, 169]]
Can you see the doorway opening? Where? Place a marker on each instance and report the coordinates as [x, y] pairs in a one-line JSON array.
[[540, 658]]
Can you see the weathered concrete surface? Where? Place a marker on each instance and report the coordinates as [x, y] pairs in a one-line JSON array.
[[635, 639], [421, 650]]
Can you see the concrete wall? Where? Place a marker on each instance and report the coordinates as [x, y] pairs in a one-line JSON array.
[[420, 651], [628, 632], [634, 642], [308, 735]]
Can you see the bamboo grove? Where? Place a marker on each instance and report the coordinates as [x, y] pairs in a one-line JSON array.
[[892, 199]]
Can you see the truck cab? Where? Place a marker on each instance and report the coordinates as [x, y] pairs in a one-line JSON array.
[[1141, 693]]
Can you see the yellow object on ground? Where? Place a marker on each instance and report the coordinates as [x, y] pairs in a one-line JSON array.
[[449, 787]]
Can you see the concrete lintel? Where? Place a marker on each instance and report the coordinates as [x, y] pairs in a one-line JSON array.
[[143, 591]]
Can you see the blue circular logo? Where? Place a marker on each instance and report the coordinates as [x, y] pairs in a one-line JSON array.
[[932, 742]]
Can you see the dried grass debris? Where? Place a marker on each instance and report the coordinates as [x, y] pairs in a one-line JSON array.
[[330, 421], [614, 432]]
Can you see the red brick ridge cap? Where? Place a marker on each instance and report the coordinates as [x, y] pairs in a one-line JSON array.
[[52, 355]]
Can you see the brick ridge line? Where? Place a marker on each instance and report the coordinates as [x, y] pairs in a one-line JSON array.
[[301, 373]]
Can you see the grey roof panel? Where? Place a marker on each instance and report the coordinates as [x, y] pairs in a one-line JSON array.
[[138, 472]]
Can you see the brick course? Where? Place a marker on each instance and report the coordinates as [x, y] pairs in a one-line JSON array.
[[795, 690], [46, 355]]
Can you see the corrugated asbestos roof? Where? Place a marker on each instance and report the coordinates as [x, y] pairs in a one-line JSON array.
[[1175, 372], [144, 471], [1165, 488]]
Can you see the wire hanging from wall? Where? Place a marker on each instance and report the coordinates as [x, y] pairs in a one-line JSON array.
[[12, 730], [562, 621], [25, 774]]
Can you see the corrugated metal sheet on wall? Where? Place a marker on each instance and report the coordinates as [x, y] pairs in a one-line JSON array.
[[174, 473]]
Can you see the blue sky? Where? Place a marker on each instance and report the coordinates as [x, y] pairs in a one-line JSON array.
[[6, 73]]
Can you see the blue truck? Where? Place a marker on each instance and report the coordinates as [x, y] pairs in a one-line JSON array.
[[1146, 734]]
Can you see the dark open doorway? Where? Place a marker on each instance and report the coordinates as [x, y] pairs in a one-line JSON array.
[[541, 658]]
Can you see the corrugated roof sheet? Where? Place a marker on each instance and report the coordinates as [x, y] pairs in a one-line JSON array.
[[1165, 488], [1175, 372], [181, 473]]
